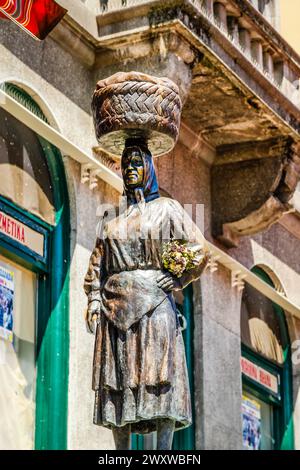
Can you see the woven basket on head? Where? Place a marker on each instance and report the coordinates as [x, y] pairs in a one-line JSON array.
[[136, 105]]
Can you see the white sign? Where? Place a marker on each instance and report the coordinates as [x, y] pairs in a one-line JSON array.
[[23, 234], [260, 375]]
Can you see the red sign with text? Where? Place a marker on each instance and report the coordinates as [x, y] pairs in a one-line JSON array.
[[37, 17]]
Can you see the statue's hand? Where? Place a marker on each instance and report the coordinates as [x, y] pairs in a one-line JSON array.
[[92, 313], [168, 282]]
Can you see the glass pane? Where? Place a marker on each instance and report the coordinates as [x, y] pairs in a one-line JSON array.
[[257, 423], [25, 178], [18, 288], [260, 325]]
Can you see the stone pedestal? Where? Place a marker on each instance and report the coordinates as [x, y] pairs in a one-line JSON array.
[[218, 383]]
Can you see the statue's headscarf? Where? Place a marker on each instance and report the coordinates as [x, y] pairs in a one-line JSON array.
[[149, 189]]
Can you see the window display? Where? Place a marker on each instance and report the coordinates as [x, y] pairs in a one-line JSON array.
[[17, 355]]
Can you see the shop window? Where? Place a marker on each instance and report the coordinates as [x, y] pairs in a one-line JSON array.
[[266, 372], [17, 355], [258, 423], [25, 177], [261, 326]]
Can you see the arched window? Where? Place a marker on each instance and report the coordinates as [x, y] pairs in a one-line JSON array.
[[266, 371], [263, 327], [25, 177]]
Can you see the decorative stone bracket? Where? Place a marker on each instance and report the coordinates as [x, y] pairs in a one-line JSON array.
[[252, 186]]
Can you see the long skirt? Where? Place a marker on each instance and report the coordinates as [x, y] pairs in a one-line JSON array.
[[140, 375]]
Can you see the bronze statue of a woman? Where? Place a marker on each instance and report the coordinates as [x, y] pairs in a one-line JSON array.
[[139, 369]]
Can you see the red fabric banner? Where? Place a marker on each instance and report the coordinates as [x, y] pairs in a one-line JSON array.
[[37, 17]]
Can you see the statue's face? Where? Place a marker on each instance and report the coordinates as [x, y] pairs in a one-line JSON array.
[[133, 169]]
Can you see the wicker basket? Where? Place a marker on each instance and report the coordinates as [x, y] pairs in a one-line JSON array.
[[136, 105]]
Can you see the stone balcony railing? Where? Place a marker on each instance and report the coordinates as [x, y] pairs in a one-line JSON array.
[[113, 5], [228, 20]]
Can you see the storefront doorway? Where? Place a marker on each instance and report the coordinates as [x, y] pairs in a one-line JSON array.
[[34, 266], [266, 372]]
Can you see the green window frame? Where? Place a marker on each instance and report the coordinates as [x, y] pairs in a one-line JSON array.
[[52, 349], [283, 404]]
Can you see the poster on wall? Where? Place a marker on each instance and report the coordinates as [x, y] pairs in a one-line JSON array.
[[251, 414], [6, 303]]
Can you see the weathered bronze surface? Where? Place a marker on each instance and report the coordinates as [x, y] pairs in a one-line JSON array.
[[140, 375], [136, 105]]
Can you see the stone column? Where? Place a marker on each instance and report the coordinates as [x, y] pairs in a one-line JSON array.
[[233, 27], [291, 84], [257, 51], [288, 80], [220, 14], [209, 5], [269, 11], [278, 72], [245, 39], [268, 63]]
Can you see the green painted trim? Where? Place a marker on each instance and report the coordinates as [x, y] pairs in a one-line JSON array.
[[24, 99], [137, 442], [283, 410], [185, 438], [53, 356], [53, 307]]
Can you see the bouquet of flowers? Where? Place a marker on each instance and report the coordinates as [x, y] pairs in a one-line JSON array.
[[178, 258]]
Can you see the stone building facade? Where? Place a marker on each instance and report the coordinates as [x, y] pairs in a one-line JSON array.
[[238, 155]]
